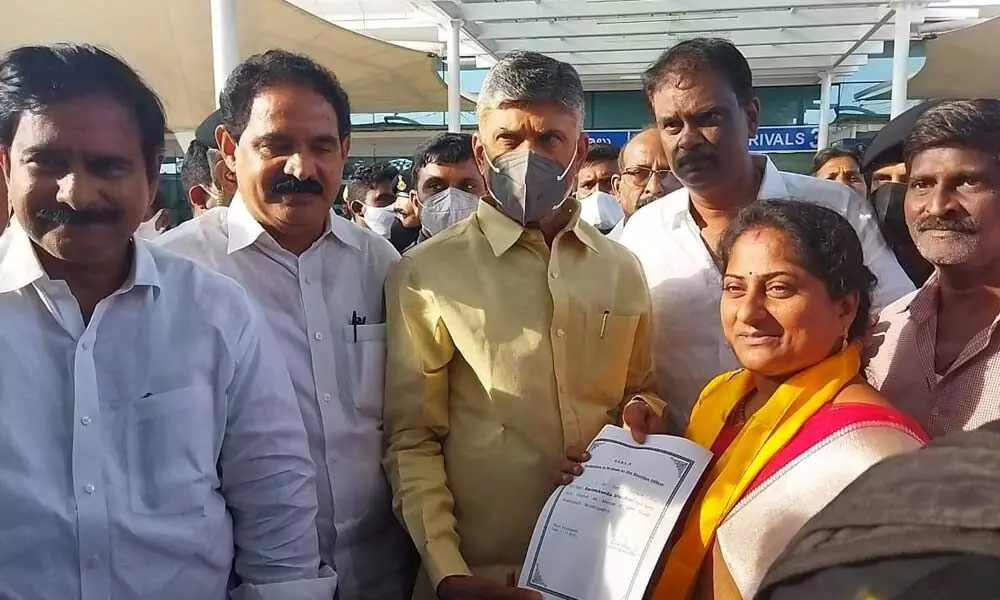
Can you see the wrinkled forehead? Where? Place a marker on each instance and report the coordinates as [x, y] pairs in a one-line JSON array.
[[96, 125], [291, 110], [692, 91], [529, 117]]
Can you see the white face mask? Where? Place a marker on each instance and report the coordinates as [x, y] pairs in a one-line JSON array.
[[601, 210], [445, 208], [380, 219]]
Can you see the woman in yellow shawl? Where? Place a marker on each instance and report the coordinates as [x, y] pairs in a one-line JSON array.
[[798, 423]]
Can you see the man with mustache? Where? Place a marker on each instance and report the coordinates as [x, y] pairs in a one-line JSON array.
[[701, 95], [940, 359], [644, 176], [318, 279], [150, 446], [516, 334]]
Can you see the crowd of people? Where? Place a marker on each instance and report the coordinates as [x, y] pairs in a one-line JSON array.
[[277, 400]]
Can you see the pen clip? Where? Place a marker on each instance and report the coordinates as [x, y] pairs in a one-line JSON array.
[[354, 323], [604, 322]]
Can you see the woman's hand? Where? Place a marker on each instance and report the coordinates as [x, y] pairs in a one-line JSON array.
[[572, 465]]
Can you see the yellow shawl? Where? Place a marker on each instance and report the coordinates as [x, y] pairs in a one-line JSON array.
[[763, 436]]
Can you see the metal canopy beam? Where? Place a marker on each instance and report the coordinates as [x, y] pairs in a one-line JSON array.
[[569, 9], [818, 53], [777, 23], [743, 39], [814, 65]]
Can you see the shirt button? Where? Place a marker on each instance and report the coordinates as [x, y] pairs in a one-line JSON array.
[[86, 421], [318, 336], [555, 275], [327, 397], [85, 345], [308, 281], [90, 489], [560, 332]]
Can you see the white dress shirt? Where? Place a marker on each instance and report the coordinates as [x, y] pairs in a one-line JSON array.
[[310, 301], [686, 286], [150, 452]]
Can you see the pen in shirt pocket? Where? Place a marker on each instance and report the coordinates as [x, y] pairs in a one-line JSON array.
[[604, 322], [355, 321]]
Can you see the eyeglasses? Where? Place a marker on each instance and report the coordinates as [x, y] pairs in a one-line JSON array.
[[639, 176]]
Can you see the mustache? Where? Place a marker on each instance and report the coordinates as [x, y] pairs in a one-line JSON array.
[[291, 185], [697, 155], [960, 225], [68, 216], [644, 201]]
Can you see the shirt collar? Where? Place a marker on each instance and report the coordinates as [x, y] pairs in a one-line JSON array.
[[244, 229], [676, 205], [502, 232], [772, 186], [923, 305], [20, 267]]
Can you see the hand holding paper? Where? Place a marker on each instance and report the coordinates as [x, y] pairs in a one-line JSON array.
[[600, 537]]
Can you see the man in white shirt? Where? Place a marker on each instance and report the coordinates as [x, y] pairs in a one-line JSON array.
[[319, 281], [645, 176], [150, 447], [702, 99]]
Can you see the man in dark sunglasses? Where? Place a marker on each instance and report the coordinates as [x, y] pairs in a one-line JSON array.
[[644, 176]]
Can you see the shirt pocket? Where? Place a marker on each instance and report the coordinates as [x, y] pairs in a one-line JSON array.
[[607, 353], [366, 358], [171, 461]]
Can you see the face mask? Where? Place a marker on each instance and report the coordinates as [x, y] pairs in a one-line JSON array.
[[526, 185], [445, 208], [380, 219], [601, 210]]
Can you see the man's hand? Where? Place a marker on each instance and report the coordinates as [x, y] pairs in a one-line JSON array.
[[462, 587], [873, 340], [641, 420], [571, 466]]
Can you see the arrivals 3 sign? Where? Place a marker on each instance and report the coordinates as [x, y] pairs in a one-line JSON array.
[[793, 138]]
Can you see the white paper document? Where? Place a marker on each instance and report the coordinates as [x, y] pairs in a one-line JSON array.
[[600, 537]]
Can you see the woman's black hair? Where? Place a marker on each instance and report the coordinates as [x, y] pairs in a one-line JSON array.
[[825, 245]]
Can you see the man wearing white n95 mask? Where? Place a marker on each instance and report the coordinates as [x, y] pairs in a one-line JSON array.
[[372, 199], [447, 184], [594, 188]]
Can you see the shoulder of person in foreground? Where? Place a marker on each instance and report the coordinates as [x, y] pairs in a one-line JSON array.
[[378, 252], [866, 406], [832, 195], [444, 252], [204, 293], [649, 223], [195, 237]]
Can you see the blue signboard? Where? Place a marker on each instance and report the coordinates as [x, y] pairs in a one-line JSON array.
[[772, 140], [616, 137], [794, 138]]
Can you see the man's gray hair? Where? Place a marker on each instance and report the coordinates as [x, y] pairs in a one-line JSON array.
[[523, 76]]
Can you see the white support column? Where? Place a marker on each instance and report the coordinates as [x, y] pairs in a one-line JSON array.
[[454, 76], [901, 56], [225, 45], [826, 85]]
